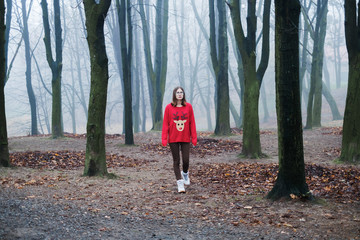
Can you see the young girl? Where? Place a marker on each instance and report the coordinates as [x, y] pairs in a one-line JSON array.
[[179, 130]]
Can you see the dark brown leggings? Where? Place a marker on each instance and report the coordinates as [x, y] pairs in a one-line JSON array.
[[184, 147]]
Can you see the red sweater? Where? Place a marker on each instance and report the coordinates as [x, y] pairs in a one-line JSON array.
[[179, 125]]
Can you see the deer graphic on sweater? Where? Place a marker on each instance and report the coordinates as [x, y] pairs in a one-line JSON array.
[[180, 124]]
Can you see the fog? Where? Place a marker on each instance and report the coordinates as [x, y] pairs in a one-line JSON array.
[[76, 66]]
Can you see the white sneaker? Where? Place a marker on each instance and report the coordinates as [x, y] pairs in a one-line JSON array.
[[186, 178], [180, 184]]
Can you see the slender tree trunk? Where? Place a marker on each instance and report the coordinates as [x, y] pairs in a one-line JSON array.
[[350, 150], [55, 66], [315, 94], [30, 91], [156, 74], [4, 148], [207, 38], [161, 39], [264, 102], [78, 64], [291, 175], [180, 36], [124, 16], [329, 98], [95, 160], [136, 66]]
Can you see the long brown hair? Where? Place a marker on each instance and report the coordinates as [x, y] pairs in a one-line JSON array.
[[174, 100]]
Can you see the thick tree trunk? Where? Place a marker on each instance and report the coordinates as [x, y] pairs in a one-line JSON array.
[[219, 56], [251, 138], [4, 148], [350, 150], [30, 91], [291, 175], [95, 160], [252, 76]]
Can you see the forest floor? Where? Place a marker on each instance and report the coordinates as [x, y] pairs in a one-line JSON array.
[[45, 196]]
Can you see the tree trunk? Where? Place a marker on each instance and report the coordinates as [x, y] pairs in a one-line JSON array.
[[4, 148], [180, 36], [161, 39], [331, 101], [95, 160], [7, 34], [219, 57], [78, 59], [350, 150], [252, 76], [124, 16], [30, 91], [156, 74], [55, 66], [291, 175], [315, 94], [136, 66]]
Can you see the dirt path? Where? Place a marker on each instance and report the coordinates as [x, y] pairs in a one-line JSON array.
[[225, 200]]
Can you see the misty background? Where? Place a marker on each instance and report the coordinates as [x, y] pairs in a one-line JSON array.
[[188, 60]]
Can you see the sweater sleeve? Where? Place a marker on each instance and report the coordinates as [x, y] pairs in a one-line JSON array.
[[193, 127], [165, 127]]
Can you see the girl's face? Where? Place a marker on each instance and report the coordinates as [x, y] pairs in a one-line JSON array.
[[179, 94]]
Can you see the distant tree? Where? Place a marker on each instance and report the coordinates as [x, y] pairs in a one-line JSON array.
[[126, 42], [315, 93], [350, 150], [291, 175], [252, 77], [4, 149], [219, 52], [337, 38], [180, 32], [55, 65], [304, 47], [206, 98], [30, 91], [138, 81], [156, 74], [95, 14]]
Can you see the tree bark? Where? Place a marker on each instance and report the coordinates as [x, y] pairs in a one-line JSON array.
[[124, 16], [55, 66], [95, 160], [219, 52], [350, 150], [30, 91], [157, 74], [291, 175], [7, 34], [332, 103], [252, 76], [4, 148], [315, 95]]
